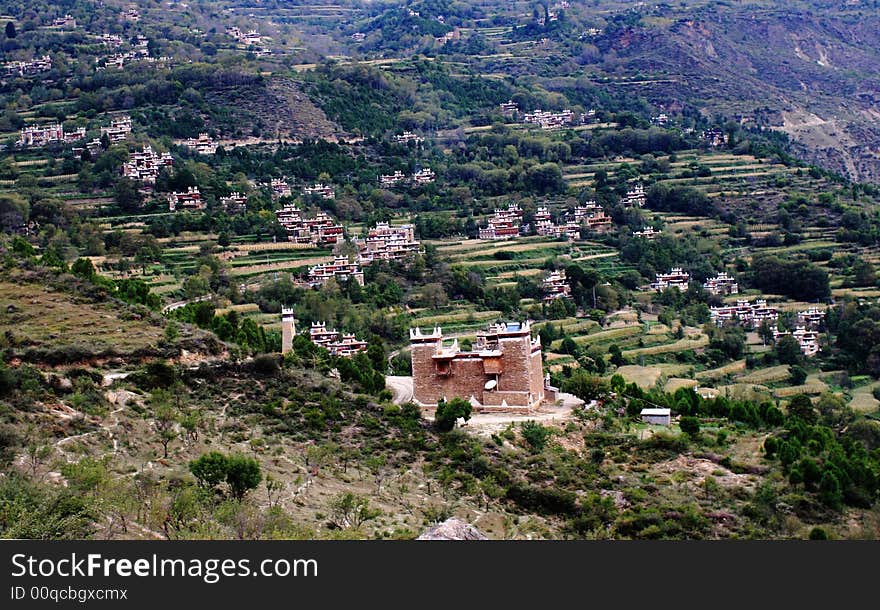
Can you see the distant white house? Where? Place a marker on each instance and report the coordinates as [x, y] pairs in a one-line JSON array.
[[657, 416]]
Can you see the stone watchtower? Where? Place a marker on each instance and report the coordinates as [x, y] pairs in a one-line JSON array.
[[502, 372], [288, 329]]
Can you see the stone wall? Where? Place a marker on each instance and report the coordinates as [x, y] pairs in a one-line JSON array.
[[520, 383]]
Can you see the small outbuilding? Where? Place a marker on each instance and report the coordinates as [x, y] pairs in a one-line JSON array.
[[660, 417]]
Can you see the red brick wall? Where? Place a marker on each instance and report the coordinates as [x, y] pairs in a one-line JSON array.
[[522, 376]]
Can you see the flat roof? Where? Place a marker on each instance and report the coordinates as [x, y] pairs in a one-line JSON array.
[[655, 412]]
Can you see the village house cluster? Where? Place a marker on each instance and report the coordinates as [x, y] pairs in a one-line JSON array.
[[745, 312], [555, 286], [552, 13], [810, 321], [647, 233], [93, 146], [676, 278], [140, 52], [421, 177], [27, 68], [190, 199], [503, 224], [589, 215], [249, 38], [341, 270], [503, 370], [550, 120], [509, 109], [318, 230], [41, 135], [119, 129], [203, 145], [661, 120], [714, 137], [386, 242], [408, 136], [593, 216], [324, 191], [66, 22], [722, 284], [392, 179], [338, 344], [807, 339], [454, 34], [110, 40], [635, 197], [234, 203], [424, 176], [280, 188], [144, 166]]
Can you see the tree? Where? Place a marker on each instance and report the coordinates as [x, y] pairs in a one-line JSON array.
[[209, 469], [765, 331], [242, 474], [223, 239], [84, 268], [127, 195], [797, 278], [585, 386], [164, 419], [172, 331], [863, 273], [829, 490], [535, 434], [434, 296], [10, 30], [817, 533], [617, 358], [801, 407], [618, 383], [449, 412], [788, 350], [690, 426], [351, 510], [798, 375]]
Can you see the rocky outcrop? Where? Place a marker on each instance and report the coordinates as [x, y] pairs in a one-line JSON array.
[[452, 529]]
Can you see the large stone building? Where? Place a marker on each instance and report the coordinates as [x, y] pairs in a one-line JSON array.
[[502, 372], [340, 269], [676, 278], [721, 284], [503, 224], [386, 242]]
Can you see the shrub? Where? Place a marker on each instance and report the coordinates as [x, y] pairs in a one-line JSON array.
[[535, 434], [690, 425], [449, 412], [817, 533]]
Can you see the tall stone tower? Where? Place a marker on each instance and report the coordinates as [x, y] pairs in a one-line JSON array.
[[288, 329]]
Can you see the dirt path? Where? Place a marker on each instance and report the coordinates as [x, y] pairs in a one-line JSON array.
[[401, 388]]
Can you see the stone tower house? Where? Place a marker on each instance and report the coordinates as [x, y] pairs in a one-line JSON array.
[[502, 372]]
